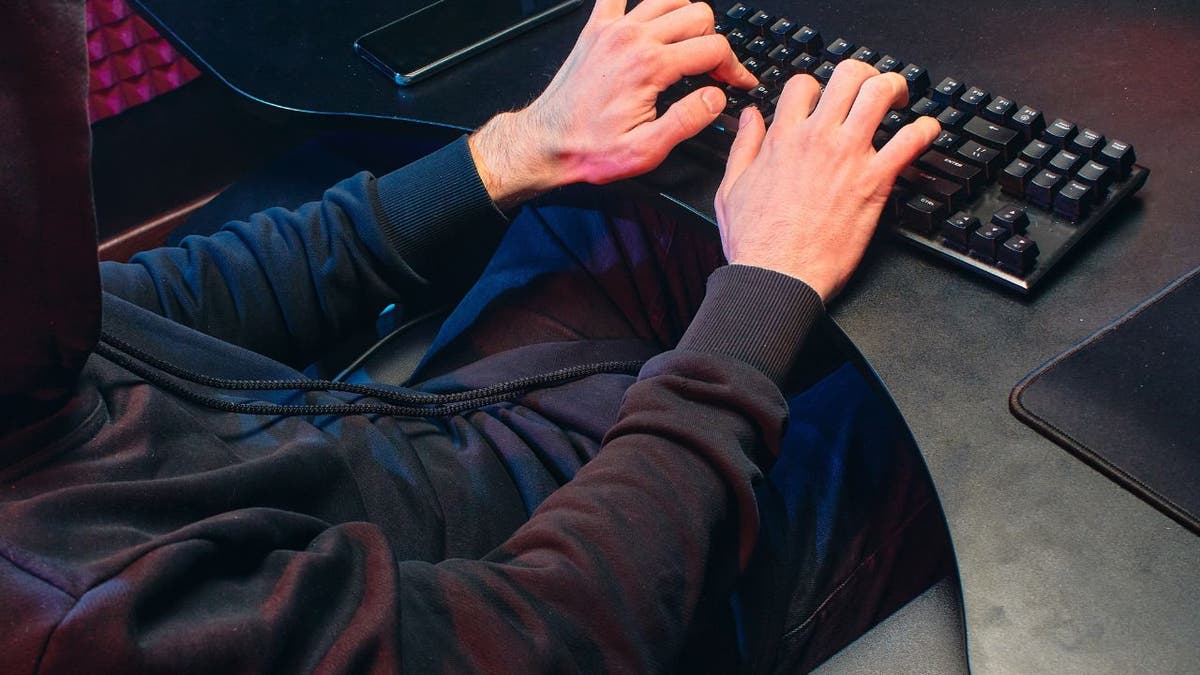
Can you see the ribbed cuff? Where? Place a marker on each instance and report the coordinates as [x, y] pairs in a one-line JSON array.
[[755, 315], [436, 209]]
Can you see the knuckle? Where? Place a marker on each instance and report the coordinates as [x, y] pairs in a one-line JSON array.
[[623, 34], [715, 45], [879, 88], [854, 69], [686, 119], [800, 85], [655, 60], [704, 11], [844, 68]]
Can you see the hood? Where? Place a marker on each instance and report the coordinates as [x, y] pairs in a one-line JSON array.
[[49, 278]]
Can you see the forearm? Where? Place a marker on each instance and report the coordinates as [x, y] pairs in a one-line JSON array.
[[290, 283], [608, 574]]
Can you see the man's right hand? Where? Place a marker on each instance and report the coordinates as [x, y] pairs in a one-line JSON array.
[[596, 122], [804, 198]]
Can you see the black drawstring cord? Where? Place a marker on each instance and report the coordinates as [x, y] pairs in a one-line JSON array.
[[399, 404]]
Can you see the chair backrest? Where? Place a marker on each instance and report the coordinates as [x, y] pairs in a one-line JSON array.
[[130, 63]]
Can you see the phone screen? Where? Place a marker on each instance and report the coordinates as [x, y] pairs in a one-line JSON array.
[[446, 31]]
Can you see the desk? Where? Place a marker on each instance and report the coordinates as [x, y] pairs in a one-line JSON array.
[[1063, 571]]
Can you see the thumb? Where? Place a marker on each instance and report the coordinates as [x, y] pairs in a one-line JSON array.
[[685, 118], [751, 133]]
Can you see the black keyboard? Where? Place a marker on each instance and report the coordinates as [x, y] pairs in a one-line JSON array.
[[1004, 191]]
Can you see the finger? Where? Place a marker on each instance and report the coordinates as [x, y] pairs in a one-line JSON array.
[[877, 96], [848, 78], [796, 103], [708, 54], [690, 21], [607, 10], [685, 118], [652, 9], [746, 146], [907, 145]]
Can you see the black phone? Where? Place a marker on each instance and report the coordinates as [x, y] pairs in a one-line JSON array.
[[446, 32]]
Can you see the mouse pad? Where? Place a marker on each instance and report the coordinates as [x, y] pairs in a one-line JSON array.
[[1127, 401]]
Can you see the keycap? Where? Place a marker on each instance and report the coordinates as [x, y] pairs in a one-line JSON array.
[[1037, 152], [1012, 218], [772, 76], [895, 203], [989, 159], [918, 79], [761, 93], [1073, 200], [953, 118], [783, 54], [920, 213], [737, 37], [808, 40], [759, 45], [1000, 110], [968, 175], [889, 64], [723, 25], [838, 50], [938, 188], [866, 55], [1018, 255], [727, 124], [947, 141], [782, 29], [973, 100], [1029, 122], [1097, 175], [1065, 162], [985, 242], [1059, 133], [926, 106], [754, 64], [1119, 156], [957, 229], [1016, 176], [762, 20], [735, 100], [805, 63], [894, 120], [948, 91], [1044, 187], [824, 72], [1001, 138], [1087, 143], [739, 12]]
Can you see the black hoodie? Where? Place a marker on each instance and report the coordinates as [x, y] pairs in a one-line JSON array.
[[152, 523]]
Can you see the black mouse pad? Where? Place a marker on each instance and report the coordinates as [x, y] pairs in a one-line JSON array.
[[1127, 401]]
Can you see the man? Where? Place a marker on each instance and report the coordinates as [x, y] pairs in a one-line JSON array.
[[170, 503]]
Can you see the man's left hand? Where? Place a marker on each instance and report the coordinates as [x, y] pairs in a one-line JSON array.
[[597, 122]]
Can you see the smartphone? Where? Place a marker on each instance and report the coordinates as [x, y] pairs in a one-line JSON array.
[[446, 32]]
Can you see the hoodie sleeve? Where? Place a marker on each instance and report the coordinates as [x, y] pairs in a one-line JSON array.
[[289, 284]]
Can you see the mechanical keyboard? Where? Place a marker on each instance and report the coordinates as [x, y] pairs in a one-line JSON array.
[[1003, 192]]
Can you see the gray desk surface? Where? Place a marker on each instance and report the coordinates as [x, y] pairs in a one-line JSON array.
[[1063, 571]]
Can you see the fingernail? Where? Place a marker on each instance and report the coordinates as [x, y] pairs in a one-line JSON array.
[[714, 100], [745, 118]]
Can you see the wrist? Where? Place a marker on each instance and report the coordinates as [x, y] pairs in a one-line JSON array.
[[513, 160], [816, 274]]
